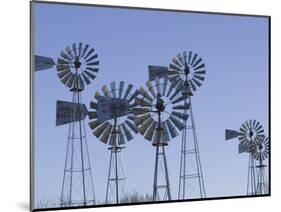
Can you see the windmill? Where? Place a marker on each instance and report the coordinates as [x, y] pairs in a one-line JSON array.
[[76, 67], [188, 71], [112, 123], [159, 119], [251, 140]]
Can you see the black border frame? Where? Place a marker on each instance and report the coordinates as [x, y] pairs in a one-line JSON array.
[[31, 91]]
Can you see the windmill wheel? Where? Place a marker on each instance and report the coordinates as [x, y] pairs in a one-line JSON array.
[[261, 150], [77, 66], [250, 131], [166, 100], [113, 108], [188, 68]]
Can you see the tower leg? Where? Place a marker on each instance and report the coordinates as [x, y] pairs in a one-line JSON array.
[[77, 186], [161, 185], [262, 184], [116, 189], [251, 184], [191, 181]]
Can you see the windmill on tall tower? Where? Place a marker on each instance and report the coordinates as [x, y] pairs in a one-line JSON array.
[[253, 142], [112, 123], [189, 71], [76, 66], [158, 118]]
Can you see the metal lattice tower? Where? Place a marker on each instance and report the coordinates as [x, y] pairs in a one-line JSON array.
[[189, 72], [75, 67], [112, 123], [158, 119], [250, 132]]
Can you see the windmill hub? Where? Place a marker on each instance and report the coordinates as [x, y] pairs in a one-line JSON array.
[[160, 104], [186, 70], [77, 63]]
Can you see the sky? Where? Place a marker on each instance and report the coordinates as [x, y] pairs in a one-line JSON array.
[[235, 52]]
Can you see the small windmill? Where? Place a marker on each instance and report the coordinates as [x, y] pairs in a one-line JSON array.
[[251, 140], [76, 67], [158, 116], [112, 123], [188, 71]]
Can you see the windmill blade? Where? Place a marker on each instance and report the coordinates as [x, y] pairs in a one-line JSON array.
[[105, 90], [151, 88], [95, 70], [181, 98], [199, 67], [197, 82], [145, 94], [172, 130], [158, 137], [127, 132], [65, 56], [105, 136], [134, 95], [92, 115], [180, 115], [80, 49], [182, 107], [150, 131], [177, 123], [93, 63], [230, 134], [177, 91], [66, 78], [89, 74], [145, 125], [197, 62], [95, 56], [192, 85], [157, 83], [69, 82], [121, 136], [69, 52], [180, 59], [200, 72], [85, 50], [142, 102], [113, 88], [43, 63], [166, 136], [94, 124], [193, 59], [62, 62], [93, 105], [172, 86], [165, 85], [74, 49], [197, 76], [100, 129], [140, 111], [86, 79], [132, 126], [185, 57], [174, 67], [189, 57], [176, 62], [128, 90], [141, 119], [89, 53], [121, 86], [114, 136]]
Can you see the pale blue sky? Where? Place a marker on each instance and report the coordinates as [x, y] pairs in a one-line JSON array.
[[235, 51]]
